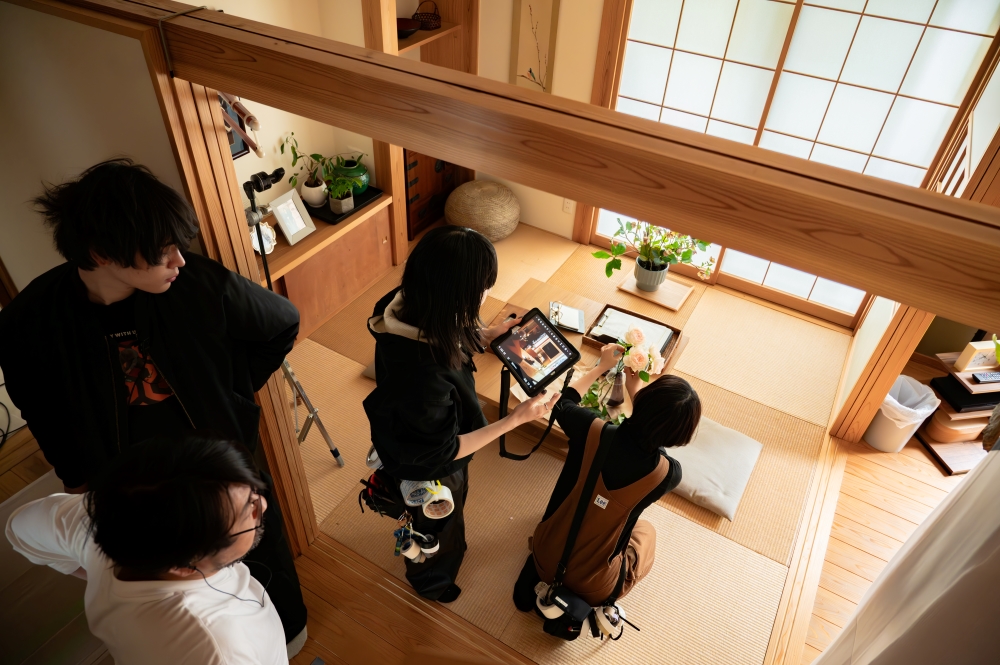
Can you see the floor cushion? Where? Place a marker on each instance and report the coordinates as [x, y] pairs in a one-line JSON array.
[[716, 467]]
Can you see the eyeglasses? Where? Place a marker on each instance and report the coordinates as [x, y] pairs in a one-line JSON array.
[[260, 513]]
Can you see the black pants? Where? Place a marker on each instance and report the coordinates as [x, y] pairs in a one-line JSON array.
[[524, 587], [432, 577], [272, 565]]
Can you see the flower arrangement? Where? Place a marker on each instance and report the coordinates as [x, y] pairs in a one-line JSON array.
[[642, 359], [657, 248]]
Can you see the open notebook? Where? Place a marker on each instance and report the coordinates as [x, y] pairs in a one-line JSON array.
[[614, 323]]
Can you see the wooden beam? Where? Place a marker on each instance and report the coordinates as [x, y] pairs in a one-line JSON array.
[[875, 235], [898, 343], [611, 44], [193, 119]]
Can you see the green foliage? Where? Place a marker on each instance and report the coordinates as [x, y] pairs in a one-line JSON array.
[[312, 166], [342, 163], [340, 186], [655, 247]]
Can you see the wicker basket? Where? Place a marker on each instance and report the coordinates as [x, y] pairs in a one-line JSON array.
[[485, 206], [428, 20]]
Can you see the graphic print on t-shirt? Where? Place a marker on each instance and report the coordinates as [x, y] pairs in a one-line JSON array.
[[143, 381]]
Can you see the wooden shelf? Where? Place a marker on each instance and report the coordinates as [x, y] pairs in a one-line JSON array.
[[421, 37], [287, 257]]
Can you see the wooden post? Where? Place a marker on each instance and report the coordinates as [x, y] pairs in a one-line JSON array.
[[193, 118]]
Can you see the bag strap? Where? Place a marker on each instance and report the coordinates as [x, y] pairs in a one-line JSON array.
[[607, 436], [504, 392]]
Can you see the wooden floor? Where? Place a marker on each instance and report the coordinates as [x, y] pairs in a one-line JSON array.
[[21, 463], [883, 499]]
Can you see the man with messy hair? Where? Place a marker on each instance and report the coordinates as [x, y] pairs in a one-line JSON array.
[[134, 337]]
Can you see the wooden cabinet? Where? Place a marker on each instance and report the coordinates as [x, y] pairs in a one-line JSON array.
[[332, 266], [429, 181]]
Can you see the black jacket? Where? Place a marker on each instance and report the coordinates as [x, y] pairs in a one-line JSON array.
[[215, 336], [419, 407]]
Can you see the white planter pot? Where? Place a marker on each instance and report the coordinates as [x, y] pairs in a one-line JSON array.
[[649, 280], [314, 196], [340, 206]]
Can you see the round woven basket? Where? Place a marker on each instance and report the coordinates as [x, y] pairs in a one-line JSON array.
[[485, 206]]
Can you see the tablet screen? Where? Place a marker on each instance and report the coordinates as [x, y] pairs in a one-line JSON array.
[[534, 351]]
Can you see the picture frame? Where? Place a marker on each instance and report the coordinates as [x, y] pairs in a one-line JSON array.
[[533, 43], [291, 216]]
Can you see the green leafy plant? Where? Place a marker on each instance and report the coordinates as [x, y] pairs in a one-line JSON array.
[[656, 248], [312, 165], [596, 400], [340, 186], [341, 161]]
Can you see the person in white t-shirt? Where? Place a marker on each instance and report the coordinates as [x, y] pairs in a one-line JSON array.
[[160, 542]]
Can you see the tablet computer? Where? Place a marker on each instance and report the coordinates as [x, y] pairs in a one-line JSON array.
[[535, 352]]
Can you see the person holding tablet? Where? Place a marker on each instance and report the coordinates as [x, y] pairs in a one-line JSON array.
[[619, 547], [425, 417]]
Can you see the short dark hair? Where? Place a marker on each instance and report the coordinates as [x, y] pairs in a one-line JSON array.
[[165, 503], [445, 278], [116, 209], [665, 413]]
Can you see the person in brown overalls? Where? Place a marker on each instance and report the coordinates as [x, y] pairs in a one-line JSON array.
[[614, 548]]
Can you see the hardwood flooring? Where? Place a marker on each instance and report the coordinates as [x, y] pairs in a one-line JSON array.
[[883, 499], [21, 463]]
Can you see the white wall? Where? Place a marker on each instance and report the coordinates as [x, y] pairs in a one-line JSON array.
[[572, 77], [866, 339], [70, 96]]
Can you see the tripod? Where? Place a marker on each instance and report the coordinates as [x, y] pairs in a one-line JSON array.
[[260, 182]]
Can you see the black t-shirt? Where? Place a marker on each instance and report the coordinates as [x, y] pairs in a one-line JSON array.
[[153, 409], [625, 464]]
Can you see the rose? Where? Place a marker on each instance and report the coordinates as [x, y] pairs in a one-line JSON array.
[[658, 363], [635, 336], [637, 359]]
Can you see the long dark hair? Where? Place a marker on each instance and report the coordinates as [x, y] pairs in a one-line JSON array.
[[445, 278], [665, 413], [165, 503]]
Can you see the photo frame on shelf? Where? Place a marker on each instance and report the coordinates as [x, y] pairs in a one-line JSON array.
[[292, 217], [533, 43]]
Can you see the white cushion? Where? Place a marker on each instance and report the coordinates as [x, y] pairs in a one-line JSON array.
[[716, 467]]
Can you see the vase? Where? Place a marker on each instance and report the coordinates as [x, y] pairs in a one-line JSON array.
[[314, 196], [353, 168], [649, 280], [340, 206], [617, 396]]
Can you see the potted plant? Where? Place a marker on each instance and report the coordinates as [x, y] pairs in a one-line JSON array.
[[340, 188], [309, 173], [351, 165], [656, 250]]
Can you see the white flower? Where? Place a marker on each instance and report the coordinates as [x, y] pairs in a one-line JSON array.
[[635, 336], [658, 363], [637, 359]]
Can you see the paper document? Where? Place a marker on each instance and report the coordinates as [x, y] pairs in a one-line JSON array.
[[614, 323]]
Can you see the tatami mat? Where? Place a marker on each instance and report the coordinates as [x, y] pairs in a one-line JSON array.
[[335, 386], [707, 600], [526, 253], [771, 508], [347, 332], [583, 274], [774, 358]]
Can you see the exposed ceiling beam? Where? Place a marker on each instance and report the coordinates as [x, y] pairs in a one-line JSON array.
[[913, 246]]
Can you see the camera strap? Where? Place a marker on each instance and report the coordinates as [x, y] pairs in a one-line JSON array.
[[603, 448], [505, 398]]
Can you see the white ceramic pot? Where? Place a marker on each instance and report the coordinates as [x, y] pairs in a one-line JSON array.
[[314, 196], [649, 280], [340, 206]]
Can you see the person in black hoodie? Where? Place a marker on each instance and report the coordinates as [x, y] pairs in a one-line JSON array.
[[425, 417], [133, 337]]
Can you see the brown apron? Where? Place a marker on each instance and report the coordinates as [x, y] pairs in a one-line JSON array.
[[592, 572]]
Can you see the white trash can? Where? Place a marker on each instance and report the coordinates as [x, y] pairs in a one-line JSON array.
[[905, 408]]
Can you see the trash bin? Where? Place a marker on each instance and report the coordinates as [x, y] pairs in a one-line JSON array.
[[907, 405]]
